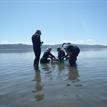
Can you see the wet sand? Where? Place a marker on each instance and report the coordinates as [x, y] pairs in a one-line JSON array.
[[56, 85]]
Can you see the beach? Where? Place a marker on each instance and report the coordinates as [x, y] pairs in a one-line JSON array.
[[56, 85]]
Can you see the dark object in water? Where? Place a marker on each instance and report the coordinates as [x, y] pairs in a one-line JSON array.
[[72, 52], [68, 84]]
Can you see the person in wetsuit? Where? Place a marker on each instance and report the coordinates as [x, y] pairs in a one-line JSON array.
[[36, 41], [47, 54], [61, 54], [72, 52]]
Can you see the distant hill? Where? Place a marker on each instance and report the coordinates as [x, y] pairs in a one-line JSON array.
[[28, 48]]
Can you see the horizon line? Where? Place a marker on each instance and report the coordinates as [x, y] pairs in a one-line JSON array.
[[47, 44]]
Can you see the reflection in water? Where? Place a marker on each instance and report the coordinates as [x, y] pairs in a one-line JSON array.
[[73, 73], [17, 69], [60, 67], [47, 69], [39, 95]]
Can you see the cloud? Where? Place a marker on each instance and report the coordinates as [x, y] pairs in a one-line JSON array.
[[11, 42], [88, 41], [5, 42]]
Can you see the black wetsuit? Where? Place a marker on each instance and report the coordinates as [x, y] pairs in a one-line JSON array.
[[74, 50], [61, 55], [45, 57], [37, 48]]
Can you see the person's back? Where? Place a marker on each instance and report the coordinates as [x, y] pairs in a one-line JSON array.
[[72, 52], [76, 50], [47, 54], [61, 54], [36, 39]]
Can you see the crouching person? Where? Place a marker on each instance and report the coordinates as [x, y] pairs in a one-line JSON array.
[[72, 52], [61, 55], [47, 56]]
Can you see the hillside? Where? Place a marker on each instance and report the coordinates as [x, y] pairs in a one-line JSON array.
[[28, 48]]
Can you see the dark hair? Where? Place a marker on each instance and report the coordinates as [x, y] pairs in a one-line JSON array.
[[58, 49], [38, 32]]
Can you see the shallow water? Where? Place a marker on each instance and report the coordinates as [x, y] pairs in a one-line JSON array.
[[56, 85]]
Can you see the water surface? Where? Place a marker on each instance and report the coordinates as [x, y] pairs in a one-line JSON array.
[[56, 85]]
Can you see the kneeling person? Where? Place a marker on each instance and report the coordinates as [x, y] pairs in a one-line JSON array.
[[46, 56]]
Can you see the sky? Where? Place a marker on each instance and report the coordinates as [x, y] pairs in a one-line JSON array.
[[75, 21]]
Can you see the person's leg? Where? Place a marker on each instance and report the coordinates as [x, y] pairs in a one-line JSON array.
[[37, 58], [72, 61]]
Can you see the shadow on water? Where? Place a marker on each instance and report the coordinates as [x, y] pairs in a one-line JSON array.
[[39, 94]]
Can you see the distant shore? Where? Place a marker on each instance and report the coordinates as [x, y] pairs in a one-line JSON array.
[[28, 48]]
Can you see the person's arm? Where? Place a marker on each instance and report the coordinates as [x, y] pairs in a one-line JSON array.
[[63, 44], [51, 56], [38, 38], [41, 42], [66, 56]]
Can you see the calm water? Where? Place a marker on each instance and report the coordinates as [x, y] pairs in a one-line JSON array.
[[57, 85]]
